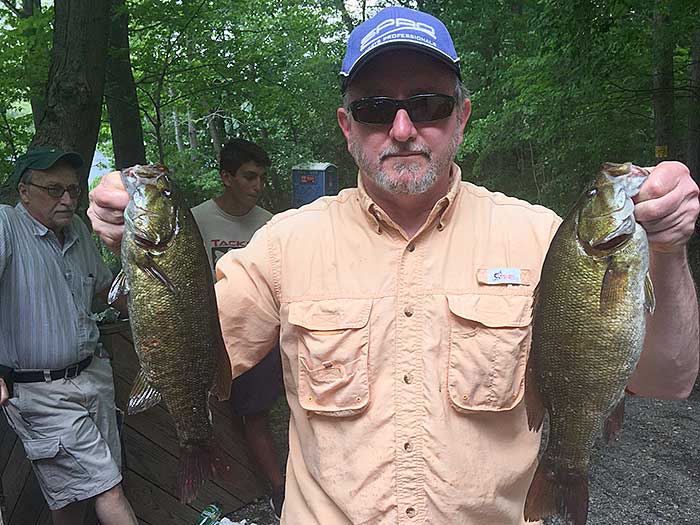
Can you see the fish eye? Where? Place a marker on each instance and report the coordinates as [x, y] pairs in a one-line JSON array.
[[592, 192], [166, 193]]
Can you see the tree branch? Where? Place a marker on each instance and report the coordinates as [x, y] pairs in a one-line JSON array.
[[11, 6]]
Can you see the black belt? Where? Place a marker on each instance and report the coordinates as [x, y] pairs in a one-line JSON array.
[[39, 376]]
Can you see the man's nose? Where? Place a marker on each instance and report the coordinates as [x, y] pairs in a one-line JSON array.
[[403, 129], [66, 199]]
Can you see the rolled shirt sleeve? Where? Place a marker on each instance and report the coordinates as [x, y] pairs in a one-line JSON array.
[[248, 301]]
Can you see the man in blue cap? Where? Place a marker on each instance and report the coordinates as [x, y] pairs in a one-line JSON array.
[[404, 319], [56, 386]]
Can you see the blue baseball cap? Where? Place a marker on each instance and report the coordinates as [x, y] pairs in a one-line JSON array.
[[397, 28]]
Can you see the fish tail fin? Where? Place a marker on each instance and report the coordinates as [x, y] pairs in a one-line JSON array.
[[559, 492], [541, 497], [197, 464], [613, 424]]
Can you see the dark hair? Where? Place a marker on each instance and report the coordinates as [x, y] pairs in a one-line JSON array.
[[237, 152]]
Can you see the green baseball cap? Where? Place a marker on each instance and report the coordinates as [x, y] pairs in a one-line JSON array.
[[42, 158]]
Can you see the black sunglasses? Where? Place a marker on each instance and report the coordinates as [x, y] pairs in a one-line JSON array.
[[421, 108], [56, 190]]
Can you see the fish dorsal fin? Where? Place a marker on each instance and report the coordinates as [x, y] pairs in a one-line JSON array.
[[612, 290], [119, 287], [649, 296], [151, 268], [143, 395]]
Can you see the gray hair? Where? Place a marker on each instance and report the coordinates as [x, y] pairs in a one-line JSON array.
[[461, 94], [26, 177]]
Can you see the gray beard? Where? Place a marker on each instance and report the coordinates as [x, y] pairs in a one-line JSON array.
[[411, 180]]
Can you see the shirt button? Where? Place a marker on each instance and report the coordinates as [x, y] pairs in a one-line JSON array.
[[411, 247], [411, 512], [408, 378], [408, 311], [408, 447]]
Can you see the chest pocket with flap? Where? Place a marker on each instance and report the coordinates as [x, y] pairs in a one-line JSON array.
[[333, 354], [489, 340]]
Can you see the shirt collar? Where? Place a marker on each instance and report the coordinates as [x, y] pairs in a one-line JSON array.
[[440, 212], [40, 230]]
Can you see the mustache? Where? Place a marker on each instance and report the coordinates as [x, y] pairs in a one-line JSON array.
[[395, 149]]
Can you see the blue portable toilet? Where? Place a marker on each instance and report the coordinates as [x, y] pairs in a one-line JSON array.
[[313, 180]]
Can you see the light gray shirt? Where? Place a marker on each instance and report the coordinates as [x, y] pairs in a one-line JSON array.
[[46, 292], [222, 232]]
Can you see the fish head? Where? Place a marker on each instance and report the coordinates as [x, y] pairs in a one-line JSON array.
[[152, 212], [606, 210]]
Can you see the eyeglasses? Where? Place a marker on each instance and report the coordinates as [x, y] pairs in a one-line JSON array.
[[421, 108], [56, 190]]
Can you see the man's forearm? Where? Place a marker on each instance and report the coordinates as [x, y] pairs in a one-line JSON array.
[[669, 364]]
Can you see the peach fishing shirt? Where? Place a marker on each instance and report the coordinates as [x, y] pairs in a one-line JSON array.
[[403, 359]]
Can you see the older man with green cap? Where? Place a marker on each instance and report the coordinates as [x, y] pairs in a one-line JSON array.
[[56, 386]]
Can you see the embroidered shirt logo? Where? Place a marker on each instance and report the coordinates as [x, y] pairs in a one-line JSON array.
[[503, 276]]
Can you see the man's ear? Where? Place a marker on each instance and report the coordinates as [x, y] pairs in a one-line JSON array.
[[225, 177], [466, 112], [344, 122], [23, 190]]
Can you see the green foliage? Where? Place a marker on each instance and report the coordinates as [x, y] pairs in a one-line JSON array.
[[24, 59], [557, 87]]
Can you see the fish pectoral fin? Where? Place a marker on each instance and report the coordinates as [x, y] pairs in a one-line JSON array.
[[151, 268], [143, 395], [612, 290], [119, 287], [649, 296]]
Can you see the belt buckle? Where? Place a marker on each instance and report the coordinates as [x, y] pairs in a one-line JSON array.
[[71, 371]]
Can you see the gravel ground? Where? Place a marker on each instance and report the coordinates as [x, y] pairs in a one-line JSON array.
[[651, 476]]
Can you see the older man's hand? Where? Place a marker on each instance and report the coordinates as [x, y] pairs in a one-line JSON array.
[[4, 392], [107, 203], [667, 207]]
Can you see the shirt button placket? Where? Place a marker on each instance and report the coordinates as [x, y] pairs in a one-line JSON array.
[[410, 400]]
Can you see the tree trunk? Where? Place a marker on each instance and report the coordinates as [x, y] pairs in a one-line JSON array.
[[347, 20], [176, 124], [693, 144], [76, 80], [662, 94], [216, 131], [120, 94], [178, 132], [192, 132]]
